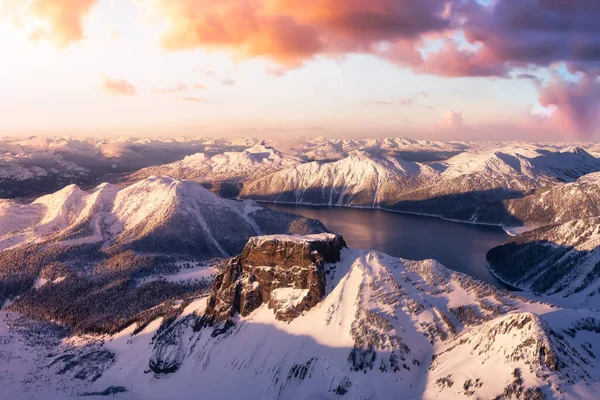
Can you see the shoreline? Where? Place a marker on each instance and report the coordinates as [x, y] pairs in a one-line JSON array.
[[513, 288], [509, 230]]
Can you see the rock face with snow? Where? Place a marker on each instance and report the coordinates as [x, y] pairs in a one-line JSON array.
[[285, 272]]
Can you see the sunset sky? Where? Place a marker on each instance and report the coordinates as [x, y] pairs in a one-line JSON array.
[[437, 69]]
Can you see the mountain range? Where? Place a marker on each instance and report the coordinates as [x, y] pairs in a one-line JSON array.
[[153, 286], [471, 186]]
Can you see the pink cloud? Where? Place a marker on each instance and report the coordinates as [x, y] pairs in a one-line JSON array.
[[453, 120], [450, 61], [178, 88], [409, 101], [576, 104], [292, 32], [63, 17], [118, 87]]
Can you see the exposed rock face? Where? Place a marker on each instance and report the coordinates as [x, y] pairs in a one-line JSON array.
[[285, 272]]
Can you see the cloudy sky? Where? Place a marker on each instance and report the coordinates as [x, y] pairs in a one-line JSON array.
[[439, 69]]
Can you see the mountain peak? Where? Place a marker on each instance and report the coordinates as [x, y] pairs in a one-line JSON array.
[[576, 150]]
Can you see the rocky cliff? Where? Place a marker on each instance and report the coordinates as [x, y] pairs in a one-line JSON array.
[[283, 271]]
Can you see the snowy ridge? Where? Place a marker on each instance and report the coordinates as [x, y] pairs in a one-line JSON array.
[[358, 179], [229, 166], [292, 238], [151, 211], [323, 149], [533, 163], [386, 326], [559, 203]]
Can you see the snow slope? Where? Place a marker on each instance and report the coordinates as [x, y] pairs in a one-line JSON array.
[[357, 180], [559, 203], [387, 327], [151, 215]]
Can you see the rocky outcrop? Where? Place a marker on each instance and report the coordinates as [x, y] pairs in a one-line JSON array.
[[283, 271]]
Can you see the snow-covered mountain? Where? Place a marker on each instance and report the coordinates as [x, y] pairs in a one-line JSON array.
[[357, 180], [230, 167], [470, 186], [383, 327], [104, 240], [153, 214], [474, 184], [323, 149], [559, 203], [538, 164], [562, 261]]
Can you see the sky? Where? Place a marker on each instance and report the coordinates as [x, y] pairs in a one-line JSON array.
[[431, 69]]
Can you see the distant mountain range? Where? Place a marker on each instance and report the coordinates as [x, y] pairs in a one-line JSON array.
[[222, 172], [156, 287], [467, 181], [471, 186], [32, 166]]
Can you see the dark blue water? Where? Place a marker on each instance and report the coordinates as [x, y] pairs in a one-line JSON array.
[[461, 247]]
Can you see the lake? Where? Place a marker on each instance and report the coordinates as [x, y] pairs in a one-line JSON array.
[[459, 246]]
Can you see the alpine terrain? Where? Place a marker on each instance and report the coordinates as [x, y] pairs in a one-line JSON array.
[[157, 287], [296, 317]]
